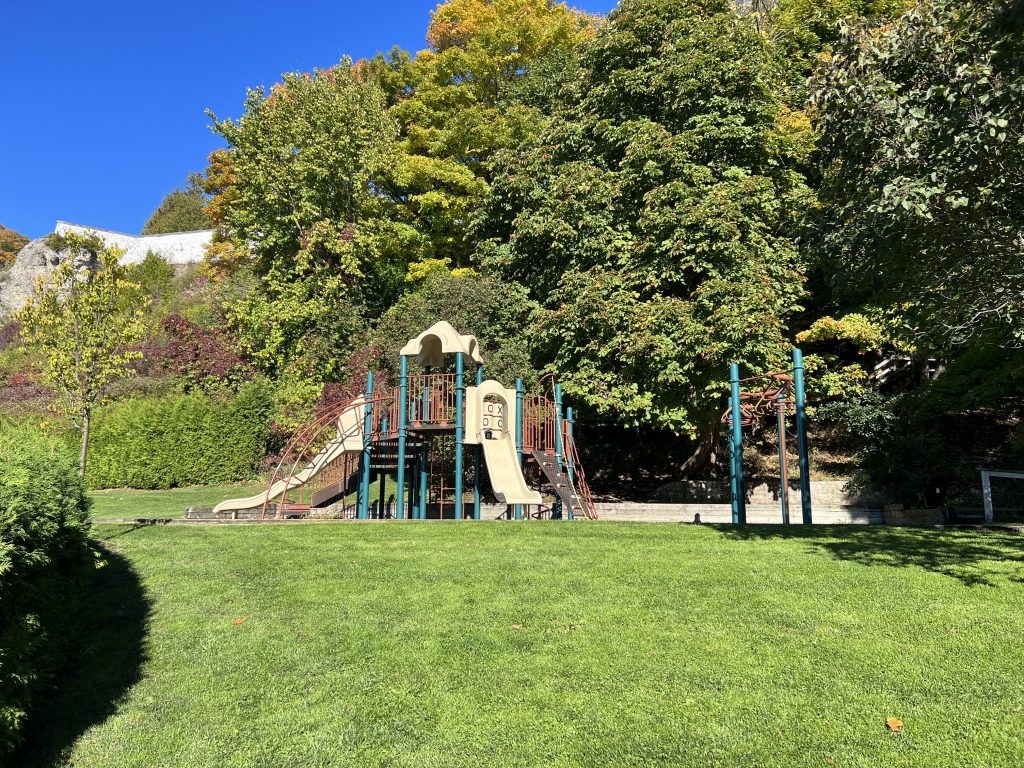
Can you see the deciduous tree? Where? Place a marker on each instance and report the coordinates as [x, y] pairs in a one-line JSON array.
[[652, 218], [922, 155], [83, 318], [179, 211]]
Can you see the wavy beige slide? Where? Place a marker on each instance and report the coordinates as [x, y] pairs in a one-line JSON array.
[[348, 440], [506, 475], [488, 407]]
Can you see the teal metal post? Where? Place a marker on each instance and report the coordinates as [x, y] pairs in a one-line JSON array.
[[363, 507], [460, 430], [382, 475], [559, 451], [414, 485], [403, 392], [424, 479], [801, 435], [518, 508], [739, 501], [568, 456], [477, 458], [780, 405]]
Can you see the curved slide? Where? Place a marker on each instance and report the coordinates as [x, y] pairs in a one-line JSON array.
[[503, 467], [489, 406], [348, 440]]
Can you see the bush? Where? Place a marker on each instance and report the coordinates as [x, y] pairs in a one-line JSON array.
[[44, 558], [192, 439]]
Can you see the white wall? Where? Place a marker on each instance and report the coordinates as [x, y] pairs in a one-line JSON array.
[[175, 248]]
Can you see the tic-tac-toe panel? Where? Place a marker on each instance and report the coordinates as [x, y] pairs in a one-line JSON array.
[[493, 419]]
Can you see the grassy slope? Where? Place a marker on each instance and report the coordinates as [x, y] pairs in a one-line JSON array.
[[129, 503], [433, 644]]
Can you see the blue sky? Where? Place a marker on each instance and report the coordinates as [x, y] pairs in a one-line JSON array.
[[103, 102]]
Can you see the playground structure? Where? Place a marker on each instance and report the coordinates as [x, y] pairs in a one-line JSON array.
[[782, 394], [419, 433]]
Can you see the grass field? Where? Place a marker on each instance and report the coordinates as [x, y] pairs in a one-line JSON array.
[[545, 644], [128, 503]]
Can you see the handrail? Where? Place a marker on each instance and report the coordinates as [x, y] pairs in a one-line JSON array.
[[306, 438], [577, 477]]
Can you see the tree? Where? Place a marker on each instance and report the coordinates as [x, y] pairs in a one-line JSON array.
[[497, 313], [10, 243], [180, 211], [462, 100], [299, 188], [922, 157], [83, 318], [651, 220]]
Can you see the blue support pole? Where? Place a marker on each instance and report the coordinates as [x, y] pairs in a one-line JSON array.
[[801, 435], [403, 391], [518, 508], [411, 505], [363, 508], [568, 455], [559, 450], [739, 501], [460, 430], [382, 475], [424, 480], [477, 458]]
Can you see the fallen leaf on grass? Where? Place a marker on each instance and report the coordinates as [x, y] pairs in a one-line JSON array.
[[517, 626], [238, 621], [894, 724]]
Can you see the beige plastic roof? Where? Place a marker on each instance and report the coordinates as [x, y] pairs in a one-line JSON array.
[[440, 339]]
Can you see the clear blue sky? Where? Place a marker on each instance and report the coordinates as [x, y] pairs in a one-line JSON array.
[[102, 108]]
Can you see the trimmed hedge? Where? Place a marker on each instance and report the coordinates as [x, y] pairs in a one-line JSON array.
[[193, 439], [44, 559]]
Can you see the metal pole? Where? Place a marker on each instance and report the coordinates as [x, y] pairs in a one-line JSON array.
[[460, 430], [403, 392], [364, 482], [568, 455], [986, 495], [518, 508], [477, 456], [382, 474], [801, 435], [559, 451], [783, 479], [739, 501], [424, 479]]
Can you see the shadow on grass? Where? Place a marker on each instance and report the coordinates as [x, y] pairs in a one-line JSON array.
[[974, 557], [108, 652]]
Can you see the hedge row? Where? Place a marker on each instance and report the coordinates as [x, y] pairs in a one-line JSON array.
[[44, 561], [194, 439]]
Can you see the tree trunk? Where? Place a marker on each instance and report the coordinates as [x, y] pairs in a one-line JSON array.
[[86, 418], [704, 456]]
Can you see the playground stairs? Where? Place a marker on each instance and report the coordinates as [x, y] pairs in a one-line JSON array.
[[559, 480]]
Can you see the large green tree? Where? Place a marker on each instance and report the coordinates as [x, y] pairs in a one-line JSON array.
[[922, 156], [84, 318], [179, 211], [460, 101], [299, 190], [651, 219]]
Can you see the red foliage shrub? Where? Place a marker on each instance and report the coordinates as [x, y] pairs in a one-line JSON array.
[[192, 352], [9, 334]]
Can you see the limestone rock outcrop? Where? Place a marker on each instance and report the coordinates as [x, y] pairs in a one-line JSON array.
[[16, 284]]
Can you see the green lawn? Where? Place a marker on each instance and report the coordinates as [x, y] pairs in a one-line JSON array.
[[546, 644], [123, 503]]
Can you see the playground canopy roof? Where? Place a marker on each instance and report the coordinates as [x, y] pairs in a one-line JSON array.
[[440, 339]]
